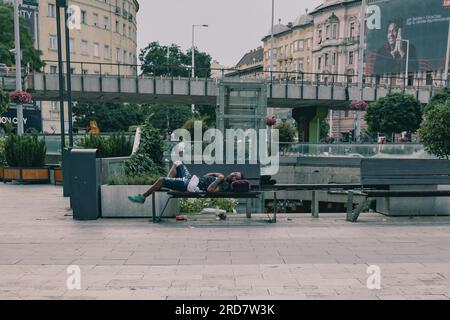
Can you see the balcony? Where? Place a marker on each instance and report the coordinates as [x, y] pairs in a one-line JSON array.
[[124, 13], [117, 11]]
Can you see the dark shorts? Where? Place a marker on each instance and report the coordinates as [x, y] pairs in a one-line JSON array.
[[181, 182]]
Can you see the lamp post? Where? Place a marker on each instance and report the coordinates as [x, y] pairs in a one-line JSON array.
[[193, 46], [193, 52], [407, 60], [362, 41], [20, 128], [272, 40]]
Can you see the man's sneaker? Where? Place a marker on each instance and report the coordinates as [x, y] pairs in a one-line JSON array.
[[138, 198]]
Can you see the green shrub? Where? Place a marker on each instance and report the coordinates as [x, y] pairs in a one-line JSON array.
[[197, 205], [287, 132], [435, 130], [4, 101], [117, 145], [25, 151], [142, 180], [2, 152], [149, 159]]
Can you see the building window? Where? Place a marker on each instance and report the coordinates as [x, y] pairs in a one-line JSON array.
[[53, 45], [334, 59], [350, 57], [301, 45], [118, 55], [124, 56], [352, 29], [51, 10], [84, 48], [124, 29], [327, 32], [53, 69], [326, 62], [95, 20], [319, 63], [334, 32], [83, 17], [319, 40], [106, 23], [72, 45], [117, 27], [96, 50], [107, 53]]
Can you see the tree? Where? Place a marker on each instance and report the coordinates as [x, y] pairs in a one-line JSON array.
[[4, 101], [168, 118], [394, 113], [208, 113], [442, 96], [110, 117], [435, 130], [30, 56], [170, 60], [286, 131]]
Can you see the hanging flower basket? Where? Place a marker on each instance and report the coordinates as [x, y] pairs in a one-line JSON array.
[[358, 105], [271, 121], [21, 97]]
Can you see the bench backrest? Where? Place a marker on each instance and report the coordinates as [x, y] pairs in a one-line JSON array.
[[405, 172], [252, 172]]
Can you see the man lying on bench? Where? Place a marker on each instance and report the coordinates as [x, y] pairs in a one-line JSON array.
[[180, 179]]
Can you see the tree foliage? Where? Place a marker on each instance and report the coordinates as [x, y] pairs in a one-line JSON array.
[[435, 130], [4, 101], [25, 151], [110, 117], [168, 118], [30, 56], [394, 113], [170, 60], [442, 96], [286, 131]]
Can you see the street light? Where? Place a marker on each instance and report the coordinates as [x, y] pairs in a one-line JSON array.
[[272, 40], [193, 46], [20, 128], [407, 60]]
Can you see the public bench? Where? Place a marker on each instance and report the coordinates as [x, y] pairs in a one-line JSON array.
[[251, 172], [388, 173]]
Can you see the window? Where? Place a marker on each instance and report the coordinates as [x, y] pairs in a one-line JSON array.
[[319, 63], [53, 45], [319, 40], [130, 59], [84, 48], [117, 27], [301, 45], [300, 65], [51, 12], [95, 20], [107, 52], [429, 79], [350, 57], [129, 32], [83, 17], [106, 23], [352, 29], [124, 29], [53, 69], [124, 56], [96, 50], [72, 45], [334, 59], [326, 60], [117, 54], [327, 32], [334, 32]]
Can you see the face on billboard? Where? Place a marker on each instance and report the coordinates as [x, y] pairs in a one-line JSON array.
[[392, 34]]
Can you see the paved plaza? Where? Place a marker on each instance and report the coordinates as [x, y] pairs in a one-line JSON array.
[[297, 258]]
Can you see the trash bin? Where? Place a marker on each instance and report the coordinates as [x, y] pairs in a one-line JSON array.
[[85, 184]]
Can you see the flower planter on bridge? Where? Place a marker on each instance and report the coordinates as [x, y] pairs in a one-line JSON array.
[[26, 174]]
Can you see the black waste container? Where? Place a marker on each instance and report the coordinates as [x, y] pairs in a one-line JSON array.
[[85, 184]]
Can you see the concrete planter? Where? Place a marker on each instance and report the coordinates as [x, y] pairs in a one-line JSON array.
[[115, 203]]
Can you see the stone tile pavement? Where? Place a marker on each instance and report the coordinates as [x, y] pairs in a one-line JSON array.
[[297, 258]]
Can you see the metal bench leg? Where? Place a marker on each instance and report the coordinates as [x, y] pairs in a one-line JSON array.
[[248, 209], [274, 220], [164, 209], [359, 209], [350, 206], [315, 205]]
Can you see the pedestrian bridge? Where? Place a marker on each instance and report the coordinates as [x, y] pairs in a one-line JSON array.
[[170, 90]]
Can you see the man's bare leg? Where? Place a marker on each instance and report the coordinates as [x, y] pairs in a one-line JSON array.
[[155, 187], [173, 171]]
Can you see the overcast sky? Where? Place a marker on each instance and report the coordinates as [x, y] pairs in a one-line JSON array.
[[235, 26]]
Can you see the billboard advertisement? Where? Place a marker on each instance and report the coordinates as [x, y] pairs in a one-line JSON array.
[[401, 30], [31, 120]]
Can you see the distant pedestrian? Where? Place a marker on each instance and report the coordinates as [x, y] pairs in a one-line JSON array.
[[181, 147]]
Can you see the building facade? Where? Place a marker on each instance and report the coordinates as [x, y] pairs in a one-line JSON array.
[[250, 66], [107, 35], [292, 48]]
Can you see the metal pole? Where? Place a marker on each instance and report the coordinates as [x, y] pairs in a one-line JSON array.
[[272, 41], [193, 54], [69, 77], [20, 128], [362, 40], [447, 57], [61, 78], [407, 63]]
